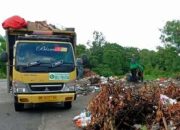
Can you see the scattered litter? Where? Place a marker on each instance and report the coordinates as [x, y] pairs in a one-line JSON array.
[[166, 100], [83, 119]]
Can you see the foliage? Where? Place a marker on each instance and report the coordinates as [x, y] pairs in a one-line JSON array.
[[2, 65], [96, 49], [171, 33], [104, 70], [112, 59], [80, 49]]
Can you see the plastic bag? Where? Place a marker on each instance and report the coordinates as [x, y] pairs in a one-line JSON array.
[[15, 22]]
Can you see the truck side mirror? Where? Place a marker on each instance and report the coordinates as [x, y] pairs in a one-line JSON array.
[[4, 57]]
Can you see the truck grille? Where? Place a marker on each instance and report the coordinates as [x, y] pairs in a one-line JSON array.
[[46, 87]]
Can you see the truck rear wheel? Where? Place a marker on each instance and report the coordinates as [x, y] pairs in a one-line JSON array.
[[18, 106], [68, 105]]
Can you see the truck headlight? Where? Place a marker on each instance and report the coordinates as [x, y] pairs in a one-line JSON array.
[[19, 87], [68, 87]]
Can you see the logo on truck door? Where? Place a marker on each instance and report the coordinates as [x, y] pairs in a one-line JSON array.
[[58, 76]]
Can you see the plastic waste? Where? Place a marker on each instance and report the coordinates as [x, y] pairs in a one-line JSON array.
[[166, 100], [83, 119]]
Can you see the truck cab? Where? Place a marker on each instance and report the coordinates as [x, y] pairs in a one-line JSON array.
[[41, 66]]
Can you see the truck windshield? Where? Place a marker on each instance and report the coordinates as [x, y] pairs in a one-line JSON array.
[[41, 56]]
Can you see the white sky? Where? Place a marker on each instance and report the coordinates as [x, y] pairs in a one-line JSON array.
[[126, 22]]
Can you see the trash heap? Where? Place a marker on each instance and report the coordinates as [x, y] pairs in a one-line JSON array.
[[17, 22], [41, 25], [88, 73], [147, 106], [91, 84], [87, 85]]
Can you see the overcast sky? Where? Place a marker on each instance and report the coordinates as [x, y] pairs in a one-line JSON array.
[[133, 23]]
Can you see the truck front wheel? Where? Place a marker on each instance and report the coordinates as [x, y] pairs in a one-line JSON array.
[[18, 106], [68, 105]]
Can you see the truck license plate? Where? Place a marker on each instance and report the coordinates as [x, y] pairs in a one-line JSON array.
[[47, 98]]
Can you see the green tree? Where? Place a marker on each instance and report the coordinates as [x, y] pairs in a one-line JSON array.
[[148, 59], [171, 33], [2, 65], [80, 50], [168, 58], [96, 49], [2, 44], [113, 56]]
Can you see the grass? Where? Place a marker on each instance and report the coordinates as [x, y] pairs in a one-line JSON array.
[[160, 75]]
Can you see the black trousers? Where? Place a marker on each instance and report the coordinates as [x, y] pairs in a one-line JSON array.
[[134, 75]]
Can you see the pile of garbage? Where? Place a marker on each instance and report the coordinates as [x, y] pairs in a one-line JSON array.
[[17, 22], [88, 73], [91, 84], [122, 106], [41, 25]]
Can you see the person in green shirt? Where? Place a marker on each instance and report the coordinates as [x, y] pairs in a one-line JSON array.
[[136, 70]]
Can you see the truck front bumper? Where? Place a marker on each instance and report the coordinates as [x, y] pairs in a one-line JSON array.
[[45, 98]]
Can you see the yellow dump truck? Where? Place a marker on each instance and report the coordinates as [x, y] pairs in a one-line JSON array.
[[40, 66]]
